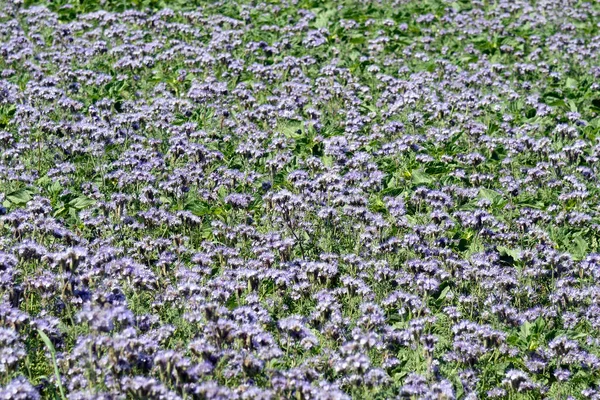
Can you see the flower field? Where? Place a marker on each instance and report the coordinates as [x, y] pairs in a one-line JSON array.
[[299, 199]]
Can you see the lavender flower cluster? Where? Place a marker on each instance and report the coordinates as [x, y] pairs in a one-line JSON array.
[[300, 199]]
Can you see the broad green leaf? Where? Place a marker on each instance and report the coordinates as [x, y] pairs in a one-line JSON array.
[[420, 177], [490, 195], [19, 197], [573, 106], [293, 131], [56, 187], [572, 83], [165, 200], [578, 247], [81, 202]]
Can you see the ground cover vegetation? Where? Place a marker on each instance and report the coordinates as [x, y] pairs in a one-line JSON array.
[[299, 199]]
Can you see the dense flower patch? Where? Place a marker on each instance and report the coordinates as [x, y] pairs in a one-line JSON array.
[[300, 199]]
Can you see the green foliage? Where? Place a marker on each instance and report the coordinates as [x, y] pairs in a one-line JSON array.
[[52, 352], [403, 174]]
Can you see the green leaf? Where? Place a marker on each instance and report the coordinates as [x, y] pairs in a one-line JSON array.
[[572, 83], [43, 181], [55, 188], [19, 197], [443, 294], [398, 376], [59, 212], [292, 130], [81, 202], [207, 233], [420, 177], [218, 211], [579, 247], [573, 106], [165, 200], [322, 20], [357, 39], [490, 195], [197, 208], [376, 204], [475, 247], [526, 329], [557, 103], [52, 351], [514, 253]]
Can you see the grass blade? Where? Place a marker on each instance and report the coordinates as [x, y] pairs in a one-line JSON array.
[[50, 347]]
